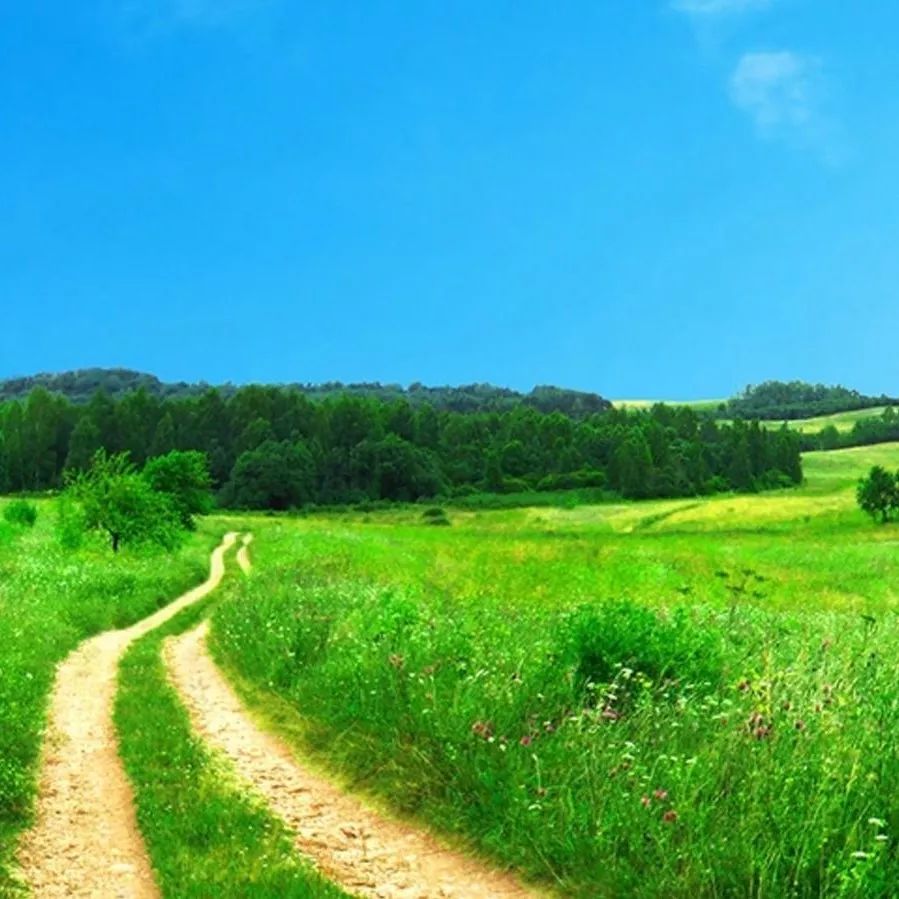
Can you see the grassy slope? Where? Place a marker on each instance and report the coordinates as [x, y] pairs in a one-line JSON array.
[[406, 646], [50, 600], [205, 835], [698, 405], [842, 421]]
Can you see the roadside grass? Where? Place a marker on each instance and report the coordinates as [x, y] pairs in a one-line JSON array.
[[704, 705], [206, 835], [50, 600]]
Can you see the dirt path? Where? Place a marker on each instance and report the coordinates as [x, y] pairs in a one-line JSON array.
[[365, 853], [86, 841]]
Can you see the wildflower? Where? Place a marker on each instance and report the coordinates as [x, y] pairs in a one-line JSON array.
[[799, 725], [645, 801], [483, 729], [661, 795], [526, 740], [744, 685], [877, 822], [541, 792], [610, 714], [397, 661], [670, 816], [860, 854], [762, 733]]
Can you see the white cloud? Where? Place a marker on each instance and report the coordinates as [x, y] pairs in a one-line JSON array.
[[785, 94], [778, 90], [718, 7]]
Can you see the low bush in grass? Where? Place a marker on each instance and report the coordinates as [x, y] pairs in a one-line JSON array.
[[20, 513], [674, 648]]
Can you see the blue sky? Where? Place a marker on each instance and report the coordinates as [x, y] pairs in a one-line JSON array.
[[666, 198]]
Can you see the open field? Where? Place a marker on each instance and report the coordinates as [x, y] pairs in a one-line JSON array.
[[672, 697], [842, 421], [698, 405], [648, 699]]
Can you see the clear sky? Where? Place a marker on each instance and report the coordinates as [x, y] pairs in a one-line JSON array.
[[645, 198]]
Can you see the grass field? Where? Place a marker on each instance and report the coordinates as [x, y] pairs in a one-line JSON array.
[[698, 405], [664, 698], [50, 599], [842, 421], [653, 699]]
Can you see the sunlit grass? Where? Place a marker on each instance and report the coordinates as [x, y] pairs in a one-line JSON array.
[[745, 748]]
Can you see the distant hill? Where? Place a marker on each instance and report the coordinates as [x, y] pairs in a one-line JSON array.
[[796, 399], [79, 386]]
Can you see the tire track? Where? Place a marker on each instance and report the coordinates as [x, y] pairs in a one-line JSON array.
[[86, 842], [366, 853]]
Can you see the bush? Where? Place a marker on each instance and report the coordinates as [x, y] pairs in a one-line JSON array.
[[604, 639], [435, 516], [21, 513]]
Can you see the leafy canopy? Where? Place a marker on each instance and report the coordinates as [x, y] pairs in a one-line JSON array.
[[121, 503], [185, 478], [878, 493]]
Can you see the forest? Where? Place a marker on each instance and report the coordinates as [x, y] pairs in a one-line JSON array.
[[275, 448]]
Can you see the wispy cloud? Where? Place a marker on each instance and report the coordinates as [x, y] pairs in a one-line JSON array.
[[776, 89], [785, 95], [160, 16], [718, 7]]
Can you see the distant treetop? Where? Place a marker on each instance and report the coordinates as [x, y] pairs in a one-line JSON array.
[[79, 386]]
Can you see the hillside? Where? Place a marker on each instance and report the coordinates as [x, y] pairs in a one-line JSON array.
[[79, 386]]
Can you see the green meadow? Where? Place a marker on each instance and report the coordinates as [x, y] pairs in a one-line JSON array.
[[662, 698], [643, 699], [844, 422]]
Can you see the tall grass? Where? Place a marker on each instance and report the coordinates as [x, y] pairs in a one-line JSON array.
[[670, 710]]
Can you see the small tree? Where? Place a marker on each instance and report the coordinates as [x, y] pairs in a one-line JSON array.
[[185, 478], [120, 503], [878, 494]]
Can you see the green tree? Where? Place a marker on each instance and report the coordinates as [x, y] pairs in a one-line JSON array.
[[878, 493], [275, 475], [83, 444], [184, 477], [120, 503]]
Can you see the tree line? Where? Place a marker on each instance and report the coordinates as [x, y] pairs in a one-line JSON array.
[[270, 447], [79, 386], [776, 400]]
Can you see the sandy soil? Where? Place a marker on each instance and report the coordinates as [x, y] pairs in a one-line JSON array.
[[356, 847], [86, 841]]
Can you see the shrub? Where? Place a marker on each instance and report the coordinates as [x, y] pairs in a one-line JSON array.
[[21, 513], [603, 639], [435, 516]]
